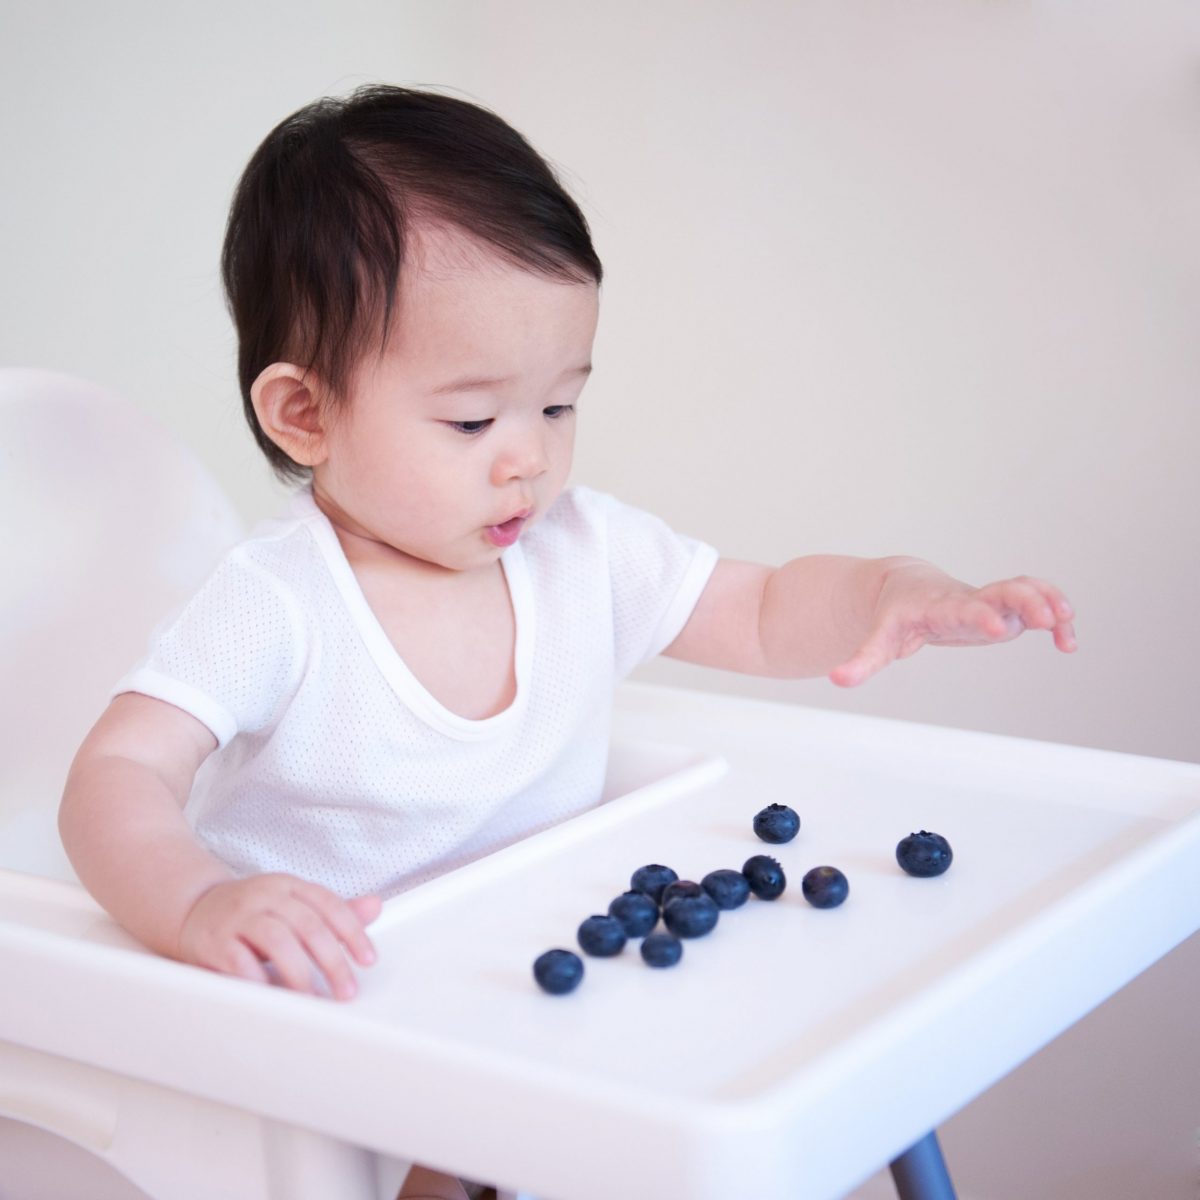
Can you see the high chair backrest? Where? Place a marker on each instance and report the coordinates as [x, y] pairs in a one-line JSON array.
[[107, 523]]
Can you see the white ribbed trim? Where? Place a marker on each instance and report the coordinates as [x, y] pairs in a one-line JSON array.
[[204, 708], [694, 581]]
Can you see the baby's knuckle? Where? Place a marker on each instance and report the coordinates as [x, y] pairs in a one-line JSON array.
[[309, 926], [271, 937]]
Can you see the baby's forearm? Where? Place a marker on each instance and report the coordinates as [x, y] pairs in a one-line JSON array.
[[817, 610], [126, 836]]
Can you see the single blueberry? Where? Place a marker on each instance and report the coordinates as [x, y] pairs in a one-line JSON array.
[[728, 888], [601, 936], [777, 823], [691, 916], [924, 854], [825, 887], [558, 971], [637, 913], [652, 879], [662, 950], [765, 876], [679, 889]]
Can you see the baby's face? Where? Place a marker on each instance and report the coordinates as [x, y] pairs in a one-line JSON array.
[[461, 435]]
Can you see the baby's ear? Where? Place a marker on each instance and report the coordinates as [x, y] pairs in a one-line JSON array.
[[290, 412]]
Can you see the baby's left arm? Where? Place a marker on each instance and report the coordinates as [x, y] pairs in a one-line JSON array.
[[850, 617]]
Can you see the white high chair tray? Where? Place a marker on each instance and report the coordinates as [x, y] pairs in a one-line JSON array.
[[791, 1053]]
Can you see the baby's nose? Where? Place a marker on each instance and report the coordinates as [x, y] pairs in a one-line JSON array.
[[523, 458]]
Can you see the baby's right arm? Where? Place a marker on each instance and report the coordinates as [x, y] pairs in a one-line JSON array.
[[123, 827]]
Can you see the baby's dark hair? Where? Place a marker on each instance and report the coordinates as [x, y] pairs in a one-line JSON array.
[[317, 230]]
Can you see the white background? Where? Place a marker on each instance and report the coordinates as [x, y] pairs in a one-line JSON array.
[[881, 278]]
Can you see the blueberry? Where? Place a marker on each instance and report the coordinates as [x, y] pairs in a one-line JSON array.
[[728, 888], [637, 913], [652, 880], [825, 887], [924, 853], [777, 823], [691, 916], [662, 950], [765, 876], [602, 936], [558, 971], [680, 888]]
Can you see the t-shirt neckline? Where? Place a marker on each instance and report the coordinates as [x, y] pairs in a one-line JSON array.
[[408, 688]]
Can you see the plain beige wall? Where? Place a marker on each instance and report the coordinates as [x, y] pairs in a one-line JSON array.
[[881, 278]]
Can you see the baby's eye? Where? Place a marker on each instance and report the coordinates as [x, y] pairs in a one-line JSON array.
[[558, 410], [469, 427]]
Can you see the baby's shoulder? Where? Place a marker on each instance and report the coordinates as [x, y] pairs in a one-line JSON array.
[[280, 545], [271, 567]]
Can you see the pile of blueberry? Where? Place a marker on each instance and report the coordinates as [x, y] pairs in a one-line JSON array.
[[690, 910]]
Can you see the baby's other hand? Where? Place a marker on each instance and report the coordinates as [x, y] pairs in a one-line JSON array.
[[298, 927], [921, 606]]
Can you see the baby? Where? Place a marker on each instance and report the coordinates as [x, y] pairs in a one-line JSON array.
[[414, 665]]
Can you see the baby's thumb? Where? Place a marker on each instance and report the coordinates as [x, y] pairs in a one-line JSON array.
[[872, 656]]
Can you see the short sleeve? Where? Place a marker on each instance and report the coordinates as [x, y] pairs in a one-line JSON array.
[[657, 577], [231, 656]]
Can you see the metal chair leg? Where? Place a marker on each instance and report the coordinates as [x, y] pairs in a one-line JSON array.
[[920, 1172]]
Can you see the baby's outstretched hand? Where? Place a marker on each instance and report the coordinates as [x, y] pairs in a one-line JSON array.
[[298, 927], [921, 606]]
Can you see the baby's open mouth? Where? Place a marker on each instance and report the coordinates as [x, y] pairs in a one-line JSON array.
[[508, 532]]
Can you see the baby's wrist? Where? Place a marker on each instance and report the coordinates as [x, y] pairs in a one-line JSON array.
[[199, 894]]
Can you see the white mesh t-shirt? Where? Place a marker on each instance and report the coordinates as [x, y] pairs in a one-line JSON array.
[[335, 764]]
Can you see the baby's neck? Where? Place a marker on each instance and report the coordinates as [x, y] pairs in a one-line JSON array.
[[369, 556], [454, 630]]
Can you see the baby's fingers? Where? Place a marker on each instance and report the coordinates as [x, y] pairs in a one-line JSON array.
[[303, 936], [325, 950], [273, 937], [299, 946], [1064, 637], [1062, 628], [976, 621], [346, 919], [239, 960], [1036, 605]]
